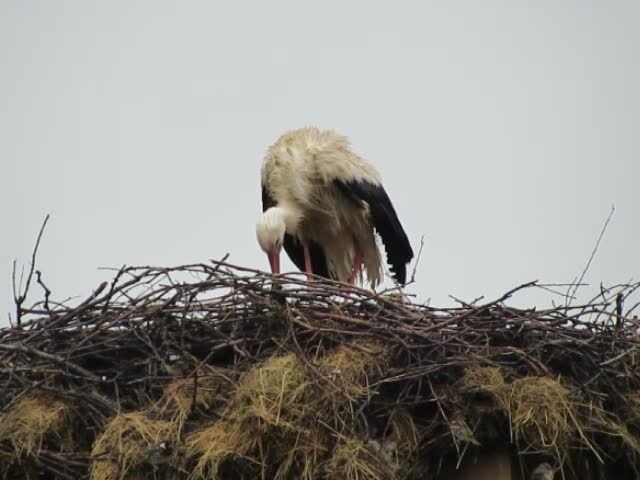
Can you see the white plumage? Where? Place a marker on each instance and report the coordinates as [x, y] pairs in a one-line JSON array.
[[322, 202]]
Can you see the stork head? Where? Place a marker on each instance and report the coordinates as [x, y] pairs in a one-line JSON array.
[[270, 232]]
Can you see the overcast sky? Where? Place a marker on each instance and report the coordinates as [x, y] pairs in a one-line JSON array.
[[504, 131]]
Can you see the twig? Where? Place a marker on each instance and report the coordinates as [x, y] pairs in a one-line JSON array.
[[47, 356], [415, 265], [47, 292], [593, 254], [20, 297], [635, 348]]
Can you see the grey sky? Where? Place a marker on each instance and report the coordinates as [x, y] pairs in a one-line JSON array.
[[504, 131]]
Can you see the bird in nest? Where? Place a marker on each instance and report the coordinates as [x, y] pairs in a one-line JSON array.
[[159, 453], [178, 364], [323, 204], [544, 471], [461, 431]]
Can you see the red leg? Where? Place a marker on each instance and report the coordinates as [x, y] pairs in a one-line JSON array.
[[307, 260], [357, 265]]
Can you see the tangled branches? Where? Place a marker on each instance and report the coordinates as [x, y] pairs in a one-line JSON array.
[[218, 370]]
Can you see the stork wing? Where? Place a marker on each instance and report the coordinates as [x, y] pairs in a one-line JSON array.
[[267, 199], [296, 253], [294, 248], [385, 221]]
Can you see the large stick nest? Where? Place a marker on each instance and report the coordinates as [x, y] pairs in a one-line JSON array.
[[213, 371]]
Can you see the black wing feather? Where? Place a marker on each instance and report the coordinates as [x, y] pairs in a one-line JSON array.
[[267, 199], [294, 248], [296, 253], [385, 221]]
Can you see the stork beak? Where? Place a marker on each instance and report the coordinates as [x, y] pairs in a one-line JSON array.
[[274, 261]]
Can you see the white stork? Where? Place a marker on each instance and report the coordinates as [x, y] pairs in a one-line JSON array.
[[322, 202]]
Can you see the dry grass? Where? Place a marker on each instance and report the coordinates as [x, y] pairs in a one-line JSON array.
[[482, 379], [541, 412], [403, 433], [210, 389], [299, 455], [275, 414], [123, 445], [30, 421], [350, 366], [266, 414], [355, 459], [276, 393], [215, 443]]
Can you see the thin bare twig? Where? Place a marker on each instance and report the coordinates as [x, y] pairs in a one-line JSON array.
[[415, 265], [20, 296], [591, 257]]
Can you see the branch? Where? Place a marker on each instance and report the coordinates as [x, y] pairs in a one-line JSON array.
[[21, 297], [12, 347]]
